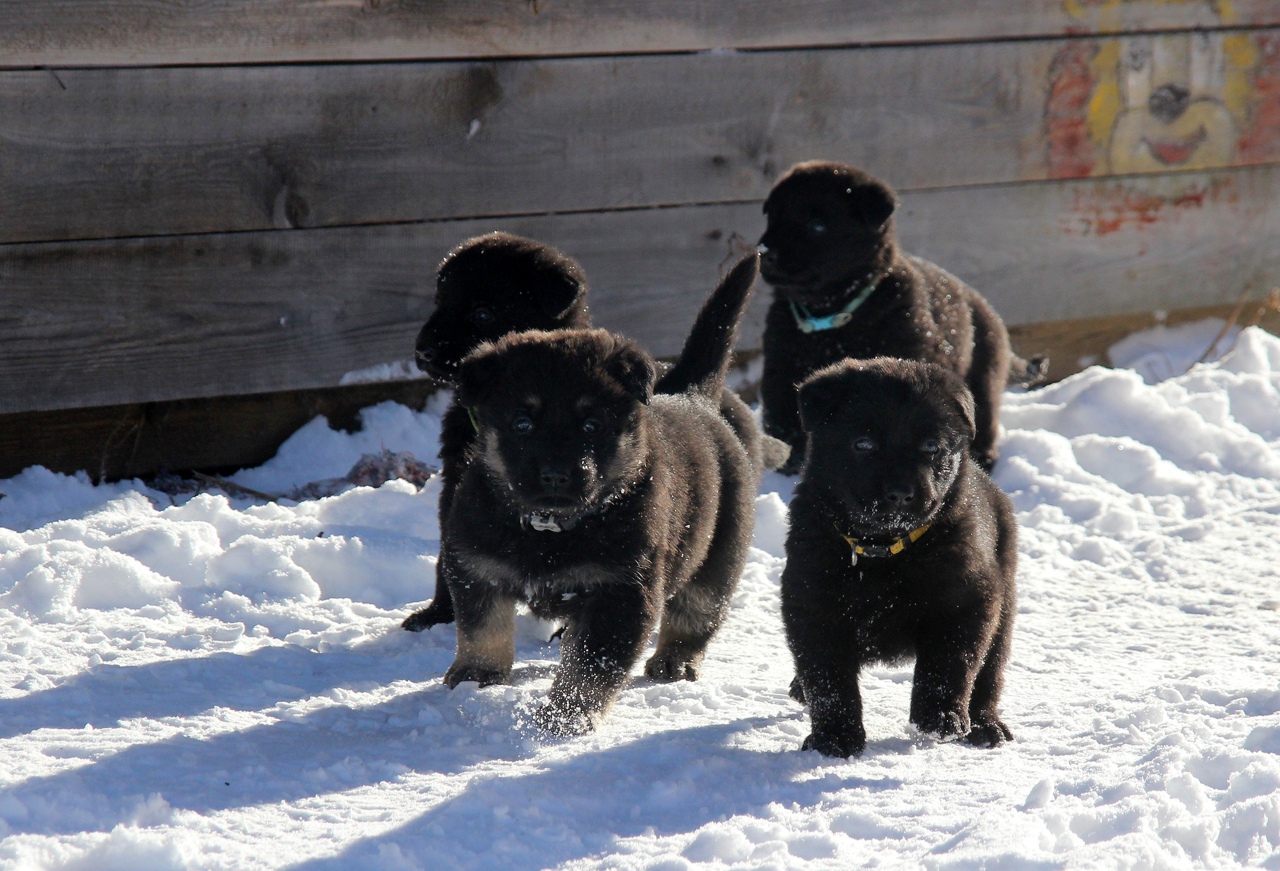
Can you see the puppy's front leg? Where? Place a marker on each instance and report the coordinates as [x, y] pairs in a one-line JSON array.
[[598, 650], [781, 409], [486, 631], [947, 661]]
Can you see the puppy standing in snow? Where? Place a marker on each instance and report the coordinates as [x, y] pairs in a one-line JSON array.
[[899, 547], [599, 504], [842, 288]]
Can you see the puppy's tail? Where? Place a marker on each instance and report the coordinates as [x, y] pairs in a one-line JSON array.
[[704, 360], [1028, 373]]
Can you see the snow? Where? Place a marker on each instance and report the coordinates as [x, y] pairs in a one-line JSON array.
[[205, 682]]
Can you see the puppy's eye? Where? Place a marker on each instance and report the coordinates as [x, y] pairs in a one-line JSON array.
[[864, 445], [930, 446], [591, 426], [816, 226], [483, 317], [522, 425]]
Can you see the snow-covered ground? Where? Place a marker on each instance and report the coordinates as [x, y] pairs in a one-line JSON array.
[[221, 684]]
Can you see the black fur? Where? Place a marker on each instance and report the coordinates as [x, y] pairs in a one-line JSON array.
[[653, 495], [830, 234], [888, 454], [487, 287]]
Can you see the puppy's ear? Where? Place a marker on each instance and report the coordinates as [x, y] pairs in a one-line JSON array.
[[819, 397], [873, 204], [476, 375], [634, 371], [558, 292], [963, 400]]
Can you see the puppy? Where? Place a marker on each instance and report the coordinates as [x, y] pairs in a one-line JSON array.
[[900, 546], [497, 284], [487, 287], [600, 504], [842, 288]]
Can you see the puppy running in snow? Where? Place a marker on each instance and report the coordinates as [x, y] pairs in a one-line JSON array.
[[599, 504], [842, 288], [900, 546]]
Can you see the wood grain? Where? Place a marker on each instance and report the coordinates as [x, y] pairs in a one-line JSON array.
[[150, 32], [110, 153], [110, 322]]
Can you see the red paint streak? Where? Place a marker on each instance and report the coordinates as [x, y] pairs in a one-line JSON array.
[[1109, 209], [1261, 141], [1069, 152]]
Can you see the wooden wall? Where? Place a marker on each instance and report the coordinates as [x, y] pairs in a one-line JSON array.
[[218, 198]]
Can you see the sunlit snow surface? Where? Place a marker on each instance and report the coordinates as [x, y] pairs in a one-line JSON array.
[[218, 685]]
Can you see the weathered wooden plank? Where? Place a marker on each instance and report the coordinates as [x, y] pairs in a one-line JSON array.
[[215, 434], [148, 32], [112, 153], [98, 323]]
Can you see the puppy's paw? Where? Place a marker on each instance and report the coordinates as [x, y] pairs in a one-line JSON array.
[[460, 672], [797, 690], [990, 734], [562, 720], [944, 725], [842, 744], [424, 618], [670, 668]]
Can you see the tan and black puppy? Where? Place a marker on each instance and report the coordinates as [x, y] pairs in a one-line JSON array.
[[900, 546], [599, 504], [842, 288]]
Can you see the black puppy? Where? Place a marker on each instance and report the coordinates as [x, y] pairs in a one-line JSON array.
[[497, 284], [487, 287], [899, 546], [842, 288], [600, 504]]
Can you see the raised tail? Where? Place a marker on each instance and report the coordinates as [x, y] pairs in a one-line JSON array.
[[1028, 373], [704, 360]]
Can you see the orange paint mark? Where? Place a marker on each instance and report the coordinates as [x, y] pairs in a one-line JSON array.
[[1069, 150], [1104, 210], [1261, 139]]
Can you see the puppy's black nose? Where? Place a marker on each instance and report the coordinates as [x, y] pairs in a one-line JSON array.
[[768, 256], [900, 495], [553, 477], [425, 354]]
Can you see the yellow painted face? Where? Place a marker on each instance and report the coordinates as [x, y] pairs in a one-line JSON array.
[[1173, 105]]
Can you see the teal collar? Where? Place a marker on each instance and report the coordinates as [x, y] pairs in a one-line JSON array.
[[809, 324]]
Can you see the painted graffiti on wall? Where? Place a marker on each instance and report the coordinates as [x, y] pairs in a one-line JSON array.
[[1162, 102]]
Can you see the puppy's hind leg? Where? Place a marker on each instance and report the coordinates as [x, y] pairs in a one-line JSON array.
[[693, 615], [439, 610]]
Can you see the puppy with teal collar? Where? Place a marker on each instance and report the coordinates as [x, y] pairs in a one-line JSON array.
[[843, 288]]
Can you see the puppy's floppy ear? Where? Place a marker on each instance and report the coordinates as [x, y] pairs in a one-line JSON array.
[[559, 290], [963, 400], [819, 397], [634, 371], [476, 375], [872, 203]]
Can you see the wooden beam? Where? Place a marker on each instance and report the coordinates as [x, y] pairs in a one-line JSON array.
[[110, 153], [217, 434], [62, 33], [112, 322]]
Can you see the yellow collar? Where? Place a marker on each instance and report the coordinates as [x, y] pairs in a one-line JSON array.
[[880, 550]]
